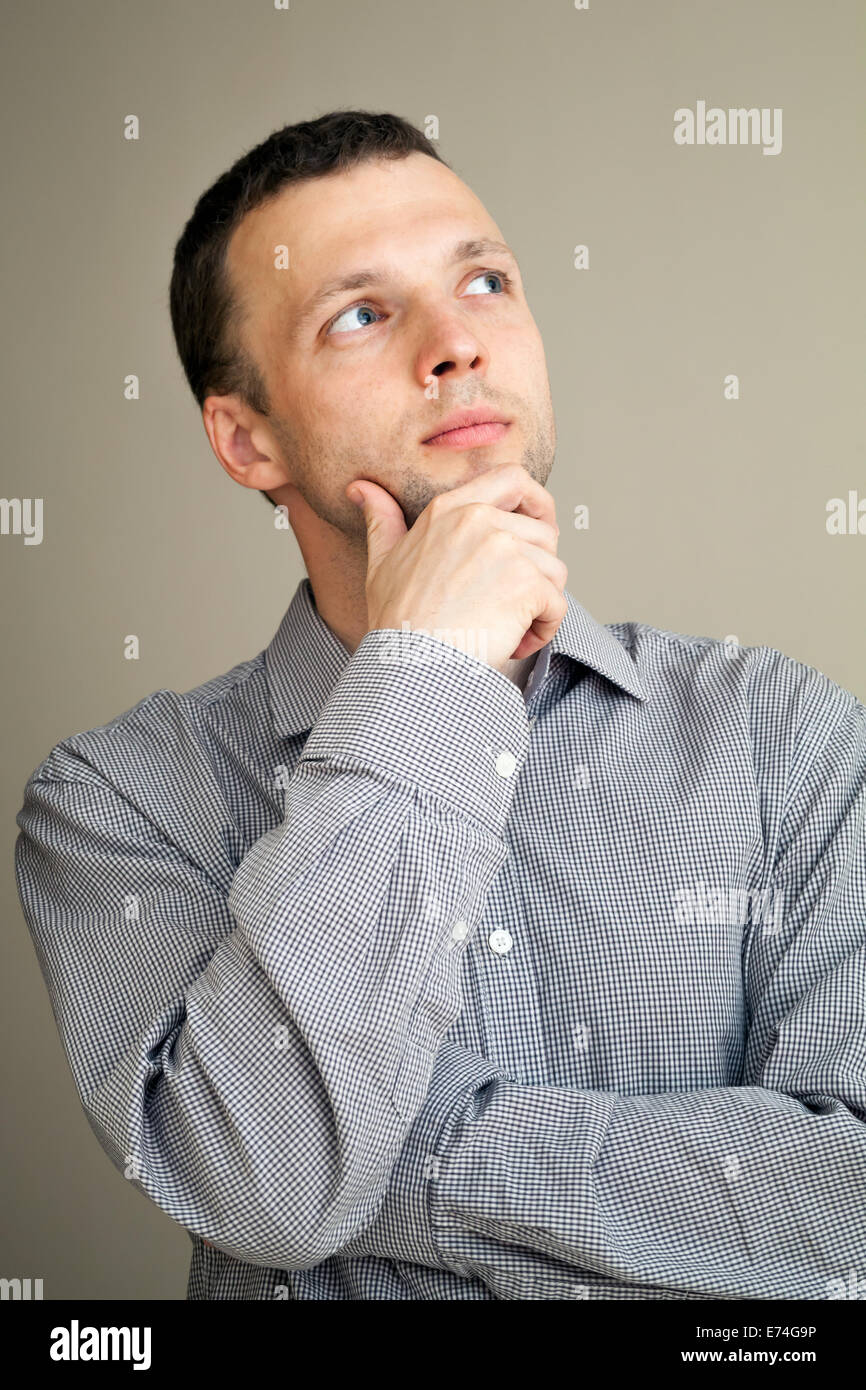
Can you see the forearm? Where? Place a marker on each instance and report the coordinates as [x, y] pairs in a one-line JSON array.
[[730, 1193], [733, 1192], [260, 1088]]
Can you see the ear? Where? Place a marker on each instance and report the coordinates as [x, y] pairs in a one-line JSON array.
[[243, 443]]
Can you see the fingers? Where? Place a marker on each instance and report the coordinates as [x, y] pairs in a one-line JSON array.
[[544, 626], [522, 527], [507, 486], [550, 565], [383, 517], [546, 623]]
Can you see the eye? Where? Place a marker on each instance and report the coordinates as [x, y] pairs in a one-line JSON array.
[[490, 275], [367, 309], [353, 309]]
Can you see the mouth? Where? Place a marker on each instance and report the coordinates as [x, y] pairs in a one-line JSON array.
[[469, 436]]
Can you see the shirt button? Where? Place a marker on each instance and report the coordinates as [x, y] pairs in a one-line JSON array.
[[500, 941], [506, 763], [460, 930]]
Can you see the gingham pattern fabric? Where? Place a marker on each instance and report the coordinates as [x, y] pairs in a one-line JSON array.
[[393, 982]]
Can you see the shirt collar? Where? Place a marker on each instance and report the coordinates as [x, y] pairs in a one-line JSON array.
[[306, 659]]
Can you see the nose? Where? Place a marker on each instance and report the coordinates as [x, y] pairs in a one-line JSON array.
[[450, 348]]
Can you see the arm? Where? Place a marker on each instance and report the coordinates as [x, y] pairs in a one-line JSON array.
[[254, 1046], [756, 1190]]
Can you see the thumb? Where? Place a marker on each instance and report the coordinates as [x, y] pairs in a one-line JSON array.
[[386, 524]]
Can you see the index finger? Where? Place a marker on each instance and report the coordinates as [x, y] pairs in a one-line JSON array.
[[510, 487]]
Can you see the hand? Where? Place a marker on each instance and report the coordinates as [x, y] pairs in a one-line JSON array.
[[480, 563]]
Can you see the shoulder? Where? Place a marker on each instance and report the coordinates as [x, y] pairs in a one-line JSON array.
[[164, 728], [784, 699]]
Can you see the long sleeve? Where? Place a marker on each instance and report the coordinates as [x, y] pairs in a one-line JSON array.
[[254, 1058], [756, 1190]]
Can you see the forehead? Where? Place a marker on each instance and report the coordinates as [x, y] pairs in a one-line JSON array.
[[385, 210]]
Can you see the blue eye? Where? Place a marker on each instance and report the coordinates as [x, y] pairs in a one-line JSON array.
[[354, 309], [505, 282], [490, 275]]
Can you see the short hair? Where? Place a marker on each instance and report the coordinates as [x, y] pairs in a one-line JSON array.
[[205, 307]]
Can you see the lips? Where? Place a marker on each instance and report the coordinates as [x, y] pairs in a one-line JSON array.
[[457, 428], [469, 437]]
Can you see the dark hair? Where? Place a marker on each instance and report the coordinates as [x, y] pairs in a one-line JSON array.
[[205, 308]]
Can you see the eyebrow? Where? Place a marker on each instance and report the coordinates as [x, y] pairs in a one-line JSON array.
[[467, 250]]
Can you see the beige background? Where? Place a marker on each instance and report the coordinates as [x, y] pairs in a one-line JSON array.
[[707, 515]]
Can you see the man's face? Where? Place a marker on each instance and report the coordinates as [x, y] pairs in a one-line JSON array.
[[353, 378]]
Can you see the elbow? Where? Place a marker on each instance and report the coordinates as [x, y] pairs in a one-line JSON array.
[[274, 1214]]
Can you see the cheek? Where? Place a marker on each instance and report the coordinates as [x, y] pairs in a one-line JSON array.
[[362, 401], [348, 416], [522, 355]]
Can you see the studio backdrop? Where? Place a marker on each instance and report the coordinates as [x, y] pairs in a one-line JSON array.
[[682, 185]]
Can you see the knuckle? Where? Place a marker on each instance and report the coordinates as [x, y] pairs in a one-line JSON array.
[[469, 516]]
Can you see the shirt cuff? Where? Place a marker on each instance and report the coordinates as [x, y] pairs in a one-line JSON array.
[[412, 705], [403, 1228]]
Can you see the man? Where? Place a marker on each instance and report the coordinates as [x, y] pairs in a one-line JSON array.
[[457, 946]]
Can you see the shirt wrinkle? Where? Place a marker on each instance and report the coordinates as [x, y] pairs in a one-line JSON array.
[[386, 979]]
